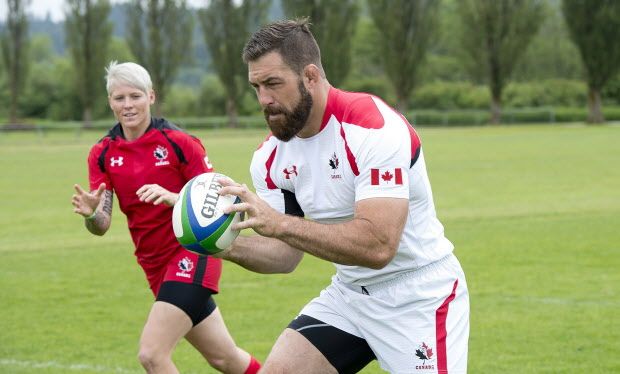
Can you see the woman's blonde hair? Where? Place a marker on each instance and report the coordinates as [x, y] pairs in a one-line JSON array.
[[128, 73]]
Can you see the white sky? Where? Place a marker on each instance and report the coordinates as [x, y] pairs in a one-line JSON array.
[[56, 8]]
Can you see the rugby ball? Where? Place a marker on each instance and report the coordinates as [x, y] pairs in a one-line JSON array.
[[198, 220]]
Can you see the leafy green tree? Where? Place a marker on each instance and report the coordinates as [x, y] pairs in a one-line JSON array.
[[159, 33], [551, 54], [88, 34], [333, 26], [494, 36], [406, 27], [14, 42], [594, 27], [227, 24]]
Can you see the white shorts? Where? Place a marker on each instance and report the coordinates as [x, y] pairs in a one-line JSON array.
[[417, 322]]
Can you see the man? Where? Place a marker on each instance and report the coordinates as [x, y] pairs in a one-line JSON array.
[[355, 168]]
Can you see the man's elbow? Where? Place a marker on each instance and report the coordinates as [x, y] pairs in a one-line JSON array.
[[381, 258]]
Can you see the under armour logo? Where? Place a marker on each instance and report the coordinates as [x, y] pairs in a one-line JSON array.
[[118, 161], [290, 171]]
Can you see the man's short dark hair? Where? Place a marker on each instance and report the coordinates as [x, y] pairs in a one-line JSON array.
[[292, 39]]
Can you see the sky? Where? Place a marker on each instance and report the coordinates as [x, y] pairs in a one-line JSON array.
[[56, 8]]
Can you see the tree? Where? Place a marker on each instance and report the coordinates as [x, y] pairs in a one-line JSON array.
[[406, 28], [88, 34], [160, 35], [494, 36], [227, 24], [333, 26], [594, 26], [551, 54], [14, 43]]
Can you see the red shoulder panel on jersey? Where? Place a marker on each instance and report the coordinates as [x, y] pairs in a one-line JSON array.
[[354, 108]]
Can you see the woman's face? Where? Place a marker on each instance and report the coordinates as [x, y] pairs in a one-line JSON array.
[[131, 107]]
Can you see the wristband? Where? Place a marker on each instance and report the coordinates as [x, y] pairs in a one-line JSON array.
[[92, 216]]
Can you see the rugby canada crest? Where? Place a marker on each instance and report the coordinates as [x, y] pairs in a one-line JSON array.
[[161, 155], [427, 356], [185, 265], [333, 164]]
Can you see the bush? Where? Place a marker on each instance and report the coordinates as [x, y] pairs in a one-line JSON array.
[[450, 95], [465, 95], [180, 100], [551, 92], [611, 113], [448, 118]]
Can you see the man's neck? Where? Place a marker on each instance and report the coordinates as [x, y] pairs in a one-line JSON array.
[[315, 120]]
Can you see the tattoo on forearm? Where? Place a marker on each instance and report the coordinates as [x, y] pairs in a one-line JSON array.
[[100, 223], [107, 202]]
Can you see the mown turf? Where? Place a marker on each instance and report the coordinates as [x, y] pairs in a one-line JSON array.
[[534, 212]]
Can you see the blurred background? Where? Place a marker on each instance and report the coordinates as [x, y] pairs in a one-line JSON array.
[[441, 62]]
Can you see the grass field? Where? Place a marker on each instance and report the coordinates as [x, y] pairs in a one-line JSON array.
[[534, 212]]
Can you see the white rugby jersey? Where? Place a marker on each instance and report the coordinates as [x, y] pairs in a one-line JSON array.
[[365, 149]]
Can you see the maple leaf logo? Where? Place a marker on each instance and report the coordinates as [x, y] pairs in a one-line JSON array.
[[424, 352], [387, 176]]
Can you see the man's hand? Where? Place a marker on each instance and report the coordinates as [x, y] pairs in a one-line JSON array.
[[156, 194], [259, 216]]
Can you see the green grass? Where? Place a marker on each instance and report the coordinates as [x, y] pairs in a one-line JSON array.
[[534, 212]]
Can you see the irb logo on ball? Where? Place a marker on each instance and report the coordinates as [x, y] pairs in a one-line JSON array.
[[197, 218]]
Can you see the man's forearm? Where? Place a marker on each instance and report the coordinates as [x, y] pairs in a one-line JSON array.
[[263, 255], [347, 243]]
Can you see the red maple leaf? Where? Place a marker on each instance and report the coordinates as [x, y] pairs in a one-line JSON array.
[[429, 352], [386, 176]]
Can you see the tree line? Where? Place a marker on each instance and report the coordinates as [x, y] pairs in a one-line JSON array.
[[388, 47]]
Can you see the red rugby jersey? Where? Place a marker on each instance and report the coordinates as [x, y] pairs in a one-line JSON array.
[[164, 155]]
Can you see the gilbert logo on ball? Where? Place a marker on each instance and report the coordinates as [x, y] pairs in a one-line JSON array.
[[198, 220]]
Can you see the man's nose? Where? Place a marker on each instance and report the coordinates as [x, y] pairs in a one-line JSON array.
[[264, 99]]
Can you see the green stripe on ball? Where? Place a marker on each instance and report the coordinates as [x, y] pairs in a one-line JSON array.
[[188, 235], [209, 243]]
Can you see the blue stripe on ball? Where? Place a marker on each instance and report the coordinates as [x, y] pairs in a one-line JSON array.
[[195, 247], [204, 232]]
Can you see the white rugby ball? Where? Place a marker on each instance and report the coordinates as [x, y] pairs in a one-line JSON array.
[[198, 220]]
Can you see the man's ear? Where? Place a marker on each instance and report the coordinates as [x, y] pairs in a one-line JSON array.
[[312, 75]]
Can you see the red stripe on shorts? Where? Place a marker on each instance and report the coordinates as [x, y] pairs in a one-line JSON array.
[[441, 314]]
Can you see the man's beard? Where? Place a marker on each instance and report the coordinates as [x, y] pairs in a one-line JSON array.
[[291, 122]]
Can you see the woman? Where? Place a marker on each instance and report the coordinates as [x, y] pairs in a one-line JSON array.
[[145, 161]]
